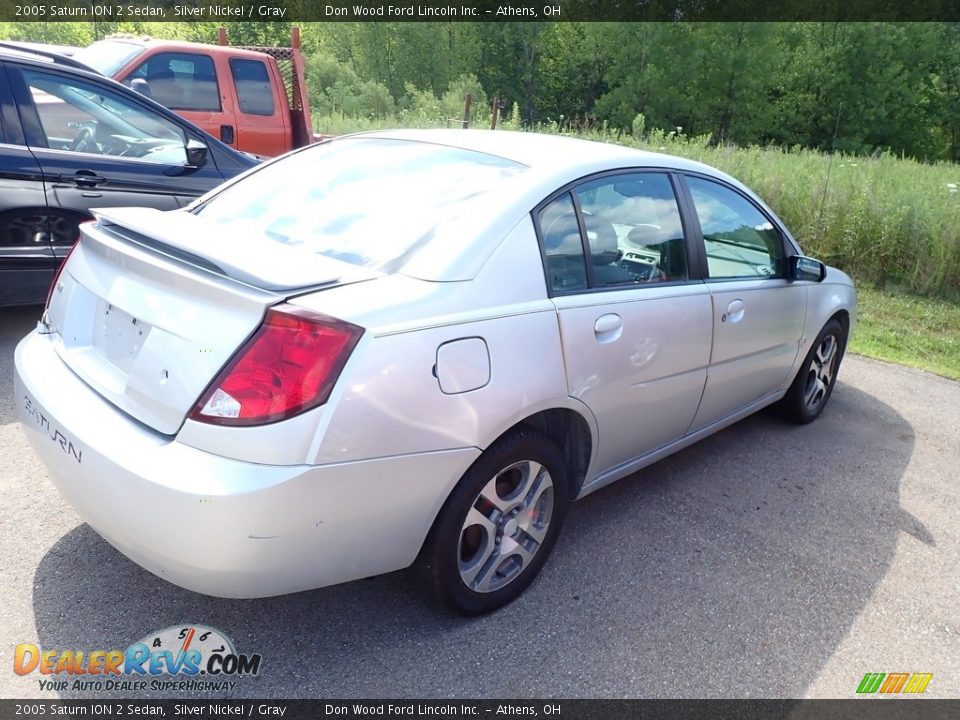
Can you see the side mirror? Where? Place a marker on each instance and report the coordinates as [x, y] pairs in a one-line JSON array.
[[804, 268], [196, 153]]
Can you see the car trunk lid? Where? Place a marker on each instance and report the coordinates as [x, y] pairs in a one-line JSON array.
[[149, 309]]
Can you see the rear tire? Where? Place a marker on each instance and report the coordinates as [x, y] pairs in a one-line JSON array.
[[495, 531], [814, 384]]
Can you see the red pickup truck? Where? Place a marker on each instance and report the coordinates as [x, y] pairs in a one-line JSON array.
[[252, 98]]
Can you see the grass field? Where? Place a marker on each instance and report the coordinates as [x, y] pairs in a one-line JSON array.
[[900, 327]]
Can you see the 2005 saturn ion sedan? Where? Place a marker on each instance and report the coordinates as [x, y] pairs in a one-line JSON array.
[[409, 348]]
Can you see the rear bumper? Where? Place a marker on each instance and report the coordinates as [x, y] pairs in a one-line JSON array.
[[220, 526]]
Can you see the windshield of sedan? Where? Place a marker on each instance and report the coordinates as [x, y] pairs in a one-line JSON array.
[[108, 56], [366, 201]]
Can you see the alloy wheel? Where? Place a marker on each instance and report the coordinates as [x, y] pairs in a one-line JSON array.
[[505, 526], [821, 372]]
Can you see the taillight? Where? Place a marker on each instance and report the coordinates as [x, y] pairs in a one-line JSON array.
[[287, 367]]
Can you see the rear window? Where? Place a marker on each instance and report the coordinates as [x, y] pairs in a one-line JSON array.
[[366, 201], [108, 56]]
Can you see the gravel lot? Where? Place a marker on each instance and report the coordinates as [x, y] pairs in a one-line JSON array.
[[766, 561]]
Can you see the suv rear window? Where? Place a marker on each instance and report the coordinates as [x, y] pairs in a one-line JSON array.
[[367, 201], [108, 56]]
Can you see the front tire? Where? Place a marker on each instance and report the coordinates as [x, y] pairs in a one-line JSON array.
[[495, 531], [814, 384]]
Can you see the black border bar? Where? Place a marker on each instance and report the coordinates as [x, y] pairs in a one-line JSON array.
[[854, 709], [478, 10]]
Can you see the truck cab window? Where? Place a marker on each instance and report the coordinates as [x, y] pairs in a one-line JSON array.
[[181, 81], [254, 92]]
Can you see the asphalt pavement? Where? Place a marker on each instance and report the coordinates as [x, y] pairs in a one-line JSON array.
[[767, 561]]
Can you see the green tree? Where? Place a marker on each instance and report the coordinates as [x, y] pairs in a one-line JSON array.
[[570, 70], [509, 58], [879, 77], [946, 80], [336, 89]]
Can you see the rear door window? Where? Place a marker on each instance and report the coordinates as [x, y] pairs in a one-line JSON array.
[[563, 246], [633, 229], [254, 93], [614, 231]]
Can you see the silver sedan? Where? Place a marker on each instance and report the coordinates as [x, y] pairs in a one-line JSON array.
[[412, 348]]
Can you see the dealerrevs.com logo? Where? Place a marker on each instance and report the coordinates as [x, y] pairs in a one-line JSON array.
[[199, 657]]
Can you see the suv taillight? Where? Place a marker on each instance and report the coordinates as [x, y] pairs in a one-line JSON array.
[[287, 367]]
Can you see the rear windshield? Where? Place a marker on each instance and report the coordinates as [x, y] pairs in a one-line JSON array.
[[108, 56], [366, 201]]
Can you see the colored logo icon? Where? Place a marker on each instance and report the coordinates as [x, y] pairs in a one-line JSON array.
[[893, 683]]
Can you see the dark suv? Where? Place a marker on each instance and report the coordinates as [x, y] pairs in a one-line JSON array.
[[72, 140]]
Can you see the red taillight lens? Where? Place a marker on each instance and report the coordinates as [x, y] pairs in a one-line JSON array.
[[288, 366]]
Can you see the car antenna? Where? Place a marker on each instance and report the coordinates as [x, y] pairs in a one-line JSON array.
[[833, 150]]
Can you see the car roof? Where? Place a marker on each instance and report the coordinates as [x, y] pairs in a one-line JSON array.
[[185, 46], [547, 152], [561, 157], [42, 57], [42, 47], [23, 53], [553, 162]]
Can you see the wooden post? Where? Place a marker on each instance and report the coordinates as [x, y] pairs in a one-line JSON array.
[[495, 111], [221, 35], [467, 103]]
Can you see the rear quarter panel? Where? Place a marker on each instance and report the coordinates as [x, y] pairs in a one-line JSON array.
[[388, 400], [392, 402]]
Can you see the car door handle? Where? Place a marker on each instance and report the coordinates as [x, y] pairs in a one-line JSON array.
[[83, 178], [226, 134], [608, 327], [734, 313]]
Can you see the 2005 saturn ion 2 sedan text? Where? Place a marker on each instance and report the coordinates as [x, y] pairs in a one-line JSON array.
[[412, 348]]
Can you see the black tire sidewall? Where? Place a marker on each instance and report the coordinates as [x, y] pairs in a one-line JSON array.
[[439, 559], [794, 404]]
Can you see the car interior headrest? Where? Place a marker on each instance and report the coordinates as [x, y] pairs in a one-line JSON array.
[[603, 240]]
